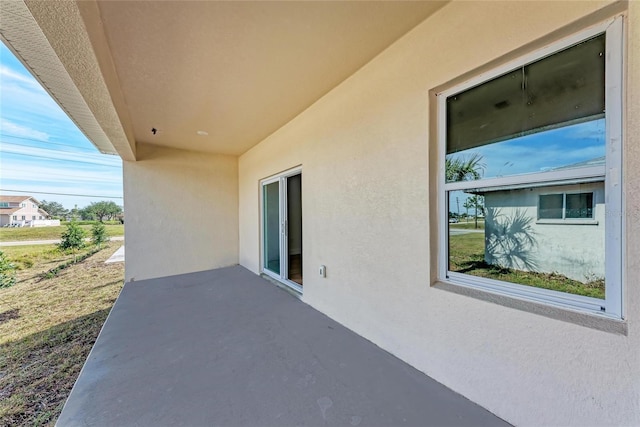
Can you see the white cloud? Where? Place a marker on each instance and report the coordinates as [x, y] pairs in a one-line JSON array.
[[31, 177], [69, 156], [8, 76], [10, 128]]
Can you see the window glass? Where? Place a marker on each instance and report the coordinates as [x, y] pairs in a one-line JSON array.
[[547, 115], [579, 205], [550, 206], [497, 236]]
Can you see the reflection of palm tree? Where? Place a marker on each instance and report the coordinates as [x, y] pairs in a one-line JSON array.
[[463, 168], [510, 241]]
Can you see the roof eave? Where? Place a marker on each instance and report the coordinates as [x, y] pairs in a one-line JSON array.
[[51, 40]]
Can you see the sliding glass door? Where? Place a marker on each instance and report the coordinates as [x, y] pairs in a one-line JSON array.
[[271, 194], [282, 228]]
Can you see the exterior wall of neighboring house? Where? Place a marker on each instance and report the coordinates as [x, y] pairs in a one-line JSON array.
[[571, 247], [182, 212], [369, 161], [5, 219]]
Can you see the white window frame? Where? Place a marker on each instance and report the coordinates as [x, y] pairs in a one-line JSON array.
[[564, 195], [612, 305]]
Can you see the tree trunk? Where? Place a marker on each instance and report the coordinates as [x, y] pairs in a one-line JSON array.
[[476, 215]]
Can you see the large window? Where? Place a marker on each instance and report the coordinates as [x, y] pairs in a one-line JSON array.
[[530, 175]]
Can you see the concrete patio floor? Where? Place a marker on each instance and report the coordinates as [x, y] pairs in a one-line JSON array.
[[227, 348]]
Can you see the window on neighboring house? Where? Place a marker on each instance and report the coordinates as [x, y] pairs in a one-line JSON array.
[[33, 217], [4, 204], [15, 217], [24, 217], [22, 205], [526, 150], [566, 206], [33, 205], [40, 216]]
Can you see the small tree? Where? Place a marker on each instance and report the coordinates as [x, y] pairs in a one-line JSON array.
[[7, 272], [98, 234], [476, 202], [72, 238], [467, 204]]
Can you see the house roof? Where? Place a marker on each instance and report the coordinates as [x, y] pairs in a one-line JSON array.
[[14, 199], [8, 211], [598, 162], [208, 76]]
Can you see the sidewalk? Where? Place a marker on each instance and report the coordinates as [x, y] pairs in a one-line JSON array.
[[49, 242], [118, 256]]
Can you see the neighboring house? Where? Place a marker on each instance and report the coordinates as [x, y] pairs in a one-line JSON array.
[[548, 229], [223, 111], [21, 211], [541, 229]]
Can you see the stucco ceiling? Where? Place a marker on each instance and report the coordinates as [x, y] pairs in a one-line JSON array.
[[238, 70], [235, 70]]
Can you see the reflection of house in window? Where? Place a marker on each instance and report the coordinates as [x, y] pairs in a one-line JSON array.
[[547, 229]]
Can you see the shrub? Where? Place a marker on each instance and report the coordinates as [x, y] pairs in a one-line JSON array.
[[72, 238], [7, 272], [98, 234]]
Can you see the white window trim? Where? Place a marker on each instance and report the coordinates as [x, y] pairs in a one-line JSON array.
[[612, 305]]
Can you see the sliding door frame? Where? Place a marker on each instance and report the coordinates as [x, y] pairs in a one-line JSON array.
[[281, 179]]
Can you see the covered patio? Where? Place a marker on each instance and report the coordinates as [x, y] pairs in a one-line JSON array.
[[226, 347]]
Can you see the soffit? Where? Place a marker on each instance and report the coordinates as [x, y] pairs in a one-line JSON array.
[[239, 70], [48, 38]]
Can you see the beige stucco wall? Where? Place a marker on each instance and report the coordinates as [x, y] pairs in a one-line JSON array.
[[181, 212], [365, 155]]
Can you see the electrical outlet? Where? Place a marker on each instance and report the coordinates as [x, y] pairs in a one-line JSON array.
[[322, 271]]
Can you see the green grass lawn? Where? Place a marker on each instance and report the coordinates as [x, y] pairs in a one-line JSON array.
[[466, 255], [50, 233], [47, 328], [25, 257]]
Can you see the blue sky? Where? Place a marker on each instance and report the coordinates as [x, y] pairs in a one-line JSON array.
[[542, 151], [42, 150], [537, 152]]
